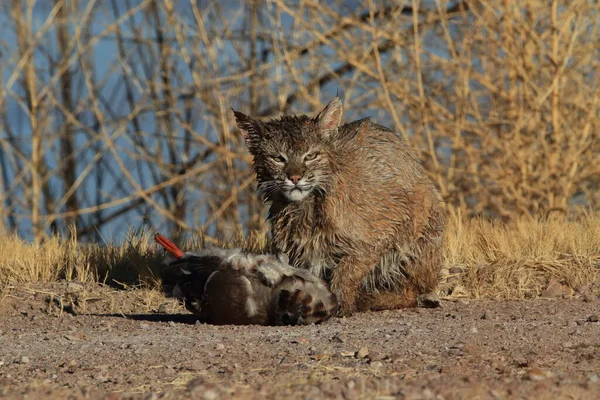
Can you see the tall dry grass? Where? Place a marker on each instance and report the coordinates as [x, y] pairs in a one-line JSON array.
[[117, 113], [517, 260], [483, 258]]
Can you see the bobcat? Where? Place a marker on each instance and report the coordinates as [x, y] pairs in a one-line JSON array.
[[352, 204]]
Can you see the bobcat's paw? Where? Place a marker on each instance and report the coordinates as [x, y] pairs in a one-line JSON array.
[[346, 307], [345, 312]]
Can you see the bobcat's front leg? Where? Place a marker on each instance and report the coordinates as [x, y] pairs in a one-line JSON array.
[[346, 280]]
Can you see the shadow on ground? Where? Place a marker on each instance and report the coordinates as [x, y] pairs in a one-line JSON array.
[[190, 319]]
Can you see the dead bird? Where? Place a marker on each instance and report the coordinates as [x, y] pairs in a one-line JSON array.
[[231, 287]]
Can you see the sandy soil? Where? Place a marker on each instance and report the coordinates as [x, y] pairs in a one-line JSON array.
[[121, 348]]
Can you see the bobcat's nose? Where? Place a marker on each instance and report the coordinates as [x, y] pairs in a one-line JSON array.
[[295, 179]]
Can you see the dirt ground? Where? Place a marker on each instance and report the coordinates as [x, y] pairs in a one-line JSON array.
[[121, 346]]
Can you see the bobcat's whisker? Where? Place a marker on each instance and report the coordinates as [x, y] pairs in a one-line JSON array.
[[267, 188]]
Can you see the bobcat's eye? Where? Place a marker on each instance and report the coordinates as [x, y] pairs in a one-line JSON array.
[[311, 156], [279, 158]]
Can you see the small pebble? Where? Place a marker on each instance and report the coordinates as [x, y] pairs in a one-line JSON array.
[[376, 365], [196, 365], [163, 308], [582, 288], [589, 297], [521, 362], [536, 374], [593, 318], [220, 346], [338, 338], [23, 360], [195, 384], [375, 356], [428, 394], [361, 353], [554, 289]]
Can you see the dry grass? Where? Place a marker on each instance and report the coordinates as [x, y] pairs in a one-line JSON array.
[[518, 259], [57, 258], [484, 259]]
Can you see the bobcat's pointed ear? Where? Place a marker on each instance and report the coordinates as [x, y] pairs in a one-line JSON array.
[[247, 125], [330, 118]]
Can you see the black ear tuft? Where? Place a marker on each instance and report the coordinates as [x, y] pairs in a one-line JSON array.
[[247, 125], [330, 118]]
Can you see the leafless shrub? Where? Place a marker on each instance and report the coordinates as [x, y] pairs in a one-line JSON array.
[[117, 113]]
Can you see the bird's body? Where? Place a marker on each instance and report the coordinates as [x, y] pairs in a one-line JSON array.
[[228, 286]]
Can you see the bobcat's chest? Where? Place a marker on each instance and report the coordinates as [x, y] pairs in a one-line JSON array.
[[305, 236]]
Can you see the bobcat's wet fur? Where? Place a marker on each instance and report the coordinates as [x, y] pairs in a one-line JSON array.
[[352, 204]]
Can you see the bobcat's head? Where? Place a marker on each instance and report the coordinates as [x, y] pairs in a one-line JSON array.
[[292, 154]]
